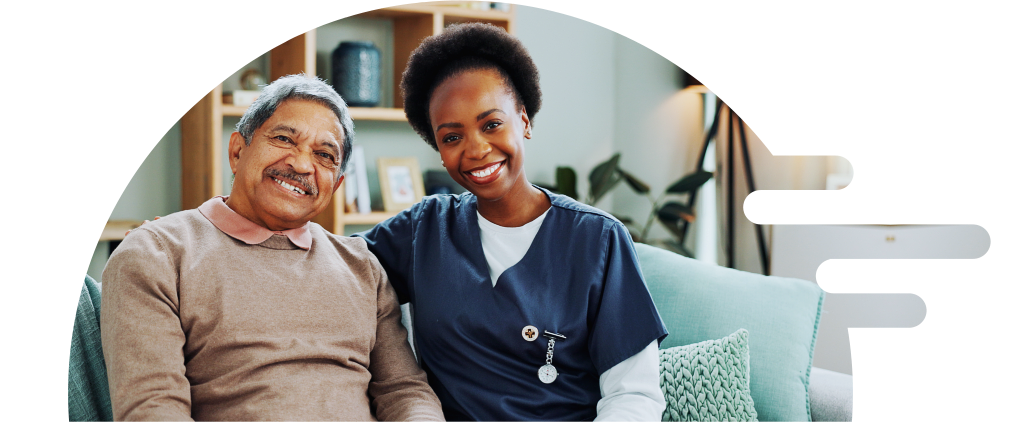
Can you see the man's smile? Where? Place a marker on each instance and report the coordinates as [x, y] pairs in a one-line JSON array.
[[294, 182], [288, 186]]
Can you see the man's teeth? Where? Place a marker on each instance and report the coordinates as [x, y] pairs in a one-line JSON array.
[[289, 186], [485, 172]]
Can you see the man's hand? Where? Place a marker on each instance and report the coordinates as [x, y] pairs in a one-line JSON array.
[[141, 224]]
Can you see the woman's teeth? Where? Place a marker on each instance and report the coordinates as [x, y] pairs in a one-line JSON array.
[[485, 172], [288, 186]]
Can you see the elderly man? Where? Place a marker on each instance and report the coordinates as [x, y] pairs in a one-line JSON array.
[[242, 309]]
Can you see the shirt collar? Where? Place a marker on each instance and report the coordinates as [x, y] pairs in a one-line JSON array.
[[238, 227]]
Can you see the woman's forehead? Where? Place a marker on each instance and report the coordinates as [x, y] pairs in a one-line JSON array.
[[471, 92]]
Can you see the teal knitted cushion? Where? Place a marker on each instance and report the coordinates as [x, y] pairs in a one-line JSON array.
[[699, 302], [88, 385], [708, 381]]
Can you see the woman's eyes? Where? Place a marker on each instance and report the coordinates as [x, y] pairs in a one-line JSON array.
[[488, 126]]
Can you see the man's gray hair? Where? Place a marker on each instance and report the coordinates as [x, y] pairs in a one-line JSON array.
[[301, 87]]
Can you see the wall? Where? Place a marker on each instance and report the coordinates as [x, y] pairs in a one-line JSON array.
[[576, 125], [153, 191], [658, 128]]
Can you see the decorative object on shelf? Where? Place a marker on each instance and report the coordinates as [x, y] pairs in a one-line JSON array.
[[357, 73], [401, 183], [240, 97], [252, 80]]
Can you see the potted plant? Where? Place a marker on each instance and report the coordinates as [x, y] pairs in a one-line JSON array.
[[667, 205]]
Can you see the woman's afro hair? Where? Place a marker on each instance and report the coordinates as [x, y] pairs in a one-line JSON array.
[[460, 48]]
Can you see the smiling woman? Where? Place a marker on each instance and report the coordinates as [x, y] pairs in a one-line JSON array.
[[490, 270]]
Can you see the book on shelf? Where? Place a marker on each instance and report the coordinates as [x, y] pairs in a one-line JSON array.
[[350, 188], [358, 196]]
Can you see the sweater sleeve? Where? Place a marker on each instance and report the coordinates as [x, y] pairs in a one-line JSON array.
[[142, 336], [398, 388]]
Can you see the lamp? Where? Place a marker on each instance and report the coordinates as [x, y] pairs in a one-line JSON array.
[[693, 85]]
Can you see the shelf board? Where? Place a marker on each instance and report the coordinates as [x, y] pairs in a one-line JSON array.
[[356, 113], [435, 7], [375, 217], [233, 110], [377, 113], [116, 229]]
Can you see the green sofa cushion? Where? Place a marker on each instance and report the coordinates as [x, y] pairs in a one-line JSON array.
[[88, 389], [708, 381], [699, 302]]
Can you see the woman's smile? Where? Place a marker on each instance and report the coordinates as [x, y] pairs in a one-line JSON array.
[[486, 174]]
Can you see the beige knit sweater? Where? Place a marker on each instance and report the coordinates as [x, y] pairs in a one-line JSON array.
[[197, 324]]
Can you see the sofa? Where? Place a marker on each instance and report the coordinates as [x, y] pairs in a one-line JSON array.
[[697, 302]]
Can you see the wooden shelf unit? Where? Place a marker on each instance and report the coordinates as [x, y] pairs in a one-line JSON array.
[[116, 229], [202, 127]]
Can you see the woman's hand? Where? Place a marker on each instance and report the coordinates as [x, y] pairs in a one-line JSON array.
[[145, 222]]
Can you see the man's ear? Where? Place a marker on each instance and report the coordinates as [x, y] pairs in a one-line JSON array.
[[338, 183], [235, 146]]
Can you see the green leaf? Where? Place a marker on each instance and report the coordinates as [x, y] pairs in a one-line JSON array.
[[674, 211], [635, 183], [603, 178], [671, 214], [673, 226], [567, 182], [690, 182]]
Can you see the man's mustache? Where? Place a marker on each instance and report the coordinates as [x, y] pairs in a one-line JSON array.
[[310, 187]]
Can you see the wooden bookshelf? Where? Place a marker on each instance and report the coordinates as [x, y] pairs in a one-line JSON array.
[[202, 128], [356, 113]]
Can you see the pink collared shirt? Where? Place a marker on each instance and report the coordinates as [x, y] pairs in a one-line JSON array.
[[238, 227]]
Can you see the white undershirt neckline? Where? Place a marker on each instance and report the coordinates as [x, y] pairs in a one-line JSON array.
[[503, 247]]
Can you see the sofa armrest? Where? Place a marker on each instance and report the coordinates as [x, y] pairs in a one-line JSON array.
[[830, 395]]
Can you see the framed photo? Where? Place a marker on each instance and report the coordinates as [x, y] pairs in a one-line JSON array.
[[402, 185]]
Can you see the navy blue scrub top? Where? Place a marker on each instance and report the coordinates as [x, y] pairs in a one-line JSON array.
[[580, 278]]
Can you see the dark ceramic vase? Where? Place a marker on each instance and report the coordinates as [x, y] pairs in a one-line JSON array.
[[357, 73]]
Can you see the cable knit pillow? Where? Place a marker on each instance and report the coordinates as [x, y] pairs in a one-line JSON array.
[[708, 381]]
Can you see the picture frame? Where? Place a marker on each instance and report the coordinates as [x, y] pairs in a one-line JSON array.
[[401, 182]]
